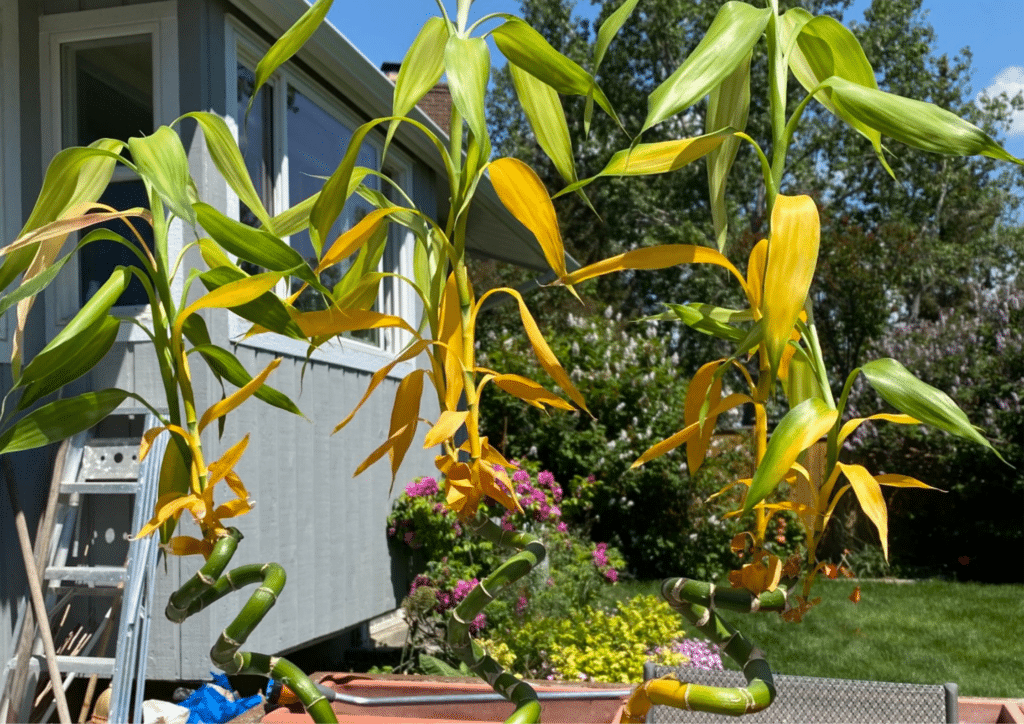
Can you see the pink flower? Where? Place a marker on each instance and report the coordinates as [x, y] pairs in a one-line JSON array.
[[521, 605], [612, 575], [563, 527]]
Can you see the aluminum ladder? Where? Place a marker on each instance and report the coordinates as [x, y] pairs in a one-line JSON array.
[[102, 462]]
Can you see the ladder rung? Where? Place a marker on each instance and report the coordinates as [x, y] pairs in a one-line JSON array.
[[100, 665], [128, 487], [101, 575]]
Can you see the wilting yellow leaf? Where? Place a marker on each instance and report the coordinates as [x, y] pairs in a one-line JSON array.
[[664, 156], [869, 495], [522, 192], [855, 596], [168, 506], [850, 425], [446, 426], [232, 509], [529, 391], [380, 375], [758, 577], [654, 257], [151, 434], [220, 468], [405, 417], [792, 256], [755, 275], [450, 333], [184, 545], [704, 389], [332, 321], [230, 295], [896, 480], [353, 239], [674, 441], [384, 447], [238, 397]]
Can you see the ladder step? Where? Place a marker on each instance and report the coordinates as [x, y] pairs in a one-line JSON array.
[[93, 575], [99, 665], [129, 487]]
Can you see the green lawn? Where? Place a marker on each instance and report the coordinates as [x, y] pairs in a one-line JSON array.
[[927, 632]]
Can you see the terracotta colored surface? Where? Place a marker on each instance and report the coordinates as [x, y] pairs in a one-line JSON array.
[[990, 711], [553, 712]]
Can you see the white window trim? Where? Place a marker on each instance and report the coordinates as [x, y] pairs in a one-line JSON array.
[[159, 20], [10, 144], [242, 45]]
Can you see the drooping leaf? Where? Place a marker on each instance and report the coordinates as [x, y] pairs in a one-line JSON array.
[[289, 43], [850, 425], [792, 257], [266, 310], [799, 428], [869, 495], [61, 419], [522, 192], [335, 321], [728, 107], [702, 395], [227, 366], [222, 408], [232, 294], [911, 396], [654, 257], [259, 247], [162, 161], [380, 375], [353, 239], [450, 334], [732, 35], [468, 65], [530, 392], [546, 116], [448, 423], [227, 462], [528, 49]]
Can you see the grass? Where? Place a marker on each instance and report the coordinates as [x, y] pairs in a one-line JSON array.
[[925, 632]]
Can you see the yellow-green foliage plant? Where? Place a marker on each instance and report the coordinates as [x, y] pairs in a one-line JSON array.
[[68, 203]]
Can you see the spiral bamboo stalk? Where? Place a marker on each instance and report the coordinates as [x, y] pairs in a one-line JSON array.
[[209, 585], [697, 602], [531, 553]]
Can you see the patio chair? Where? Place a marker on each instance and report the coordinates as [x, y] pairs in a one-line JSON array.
[[808, 699]]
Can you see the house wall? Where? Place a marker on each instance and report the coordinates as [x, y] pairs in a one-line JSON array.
[[324, 526]]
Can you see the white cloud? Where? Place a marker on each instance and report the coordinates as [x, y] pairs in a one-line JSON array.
[[1010, 81]]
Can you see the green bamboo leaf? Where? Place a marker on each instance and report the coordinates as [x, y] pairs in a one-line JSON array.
[[61, 419], [731, 37], [293, 220], [918, 124], [254, 245], [228, 160], [58, 365], [728, 107], [174, 477], [799, 428], [288, 44], [162, 161], [547, 119], [716, 321], [266, 310], [911, 396], [226, 365], [467, 62], [610, 28], [525, 47], [75, 175], [421, 69]]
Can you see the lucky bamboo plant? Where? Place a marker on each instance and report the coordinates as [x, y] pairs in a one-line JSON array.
[[774, 339]]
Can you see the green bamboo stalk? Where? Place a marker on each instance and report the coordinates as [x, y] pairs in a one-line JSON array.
[[209, 585], [697, 602], [531, 552]]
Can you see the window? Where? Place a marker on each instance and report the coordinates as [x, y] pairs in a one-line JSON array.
[[110, 73], [292, 139]]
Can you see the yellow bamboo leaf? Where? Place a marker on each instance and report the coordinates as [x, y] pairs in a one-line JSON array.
[[869, 495], [704, 389], [655, 257], [529, 391], [450, 334], [334, 321], [491, 455], [232, 509], [239, 396], [380, 375], [220, 468], [792, 257], [151, 434], [896, 480], [352, 240], [664, 156], [850, 425], [184, 545], [446, 426], [168, 506], [235, 483], [385, 447], [755, 276], [405, 417], [666, 445], [522, 192], [231, 294]]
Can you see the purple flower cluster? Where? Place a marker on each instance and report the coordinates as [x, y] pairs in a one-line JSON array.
[[422, 487], [600, 556], [540, 500], [447, 600]]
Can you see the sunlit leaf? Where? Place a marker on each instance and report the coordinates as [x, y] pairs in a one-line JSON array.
[[716, 321], [61, 419], [227, 462], [544, 111], [732, 35], [755, 274], [450, 333], [162, 161], [468, 65], [911, 396], [266, 310], [448, 423], [230, 295], [421, 69], [687, 433], [228, 404], [792, 256], [259, 247], [895, 480], [703, 393], [334, 321], [522, 192], [869, 495], [404, 418], [850, 425], [530, 392], [654, 257], [728, 107], [352, 240], [798, 429], [380, 375], [289, 43]]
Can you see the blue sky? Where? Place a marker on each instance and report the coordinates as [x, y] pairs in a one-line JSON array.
[[994, 30]]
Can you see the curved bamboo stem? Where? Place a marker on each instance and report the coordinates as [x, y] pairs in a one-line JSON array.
[[697, 602], [531, 552], [209, 585]]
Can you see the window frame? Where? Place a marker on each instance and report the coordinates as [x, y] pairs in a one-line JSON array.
[[158, 20], [243, 46], [10, 144]]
